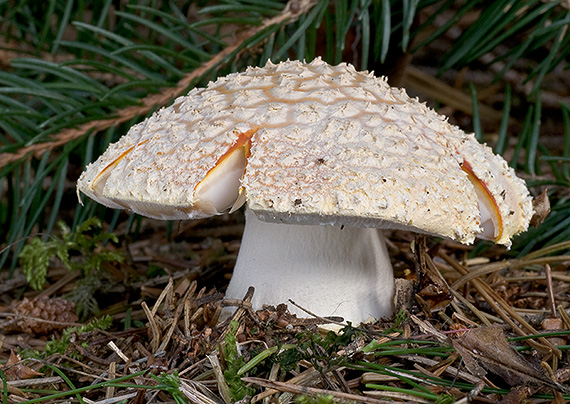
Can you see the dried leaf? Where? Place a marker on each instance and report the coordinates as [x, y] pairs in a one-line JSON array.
[[14, 390], [517, 395], [14, 370], [541, 205], [486, 349]]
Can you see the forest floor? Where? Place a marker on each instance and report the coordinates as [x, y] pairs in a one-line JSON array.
[[476, 324]]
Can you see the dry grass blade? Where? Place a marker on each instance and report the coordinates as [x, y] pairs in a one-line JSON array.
[[34, 382], [110, 391], [429, 329], [154, 328], [371, 377], [480, 315], [564, 316], [540, 261], [192, 391], [118, 351], [307, 377], [166, 294], [565, 245], [116, 399], [223, 388], [480, 271], [504, 310], [311, 391], [174, 323], [398, 396]]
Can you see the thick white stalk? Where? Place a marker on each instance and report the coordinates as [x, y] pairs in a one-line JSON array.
[[328, 270]]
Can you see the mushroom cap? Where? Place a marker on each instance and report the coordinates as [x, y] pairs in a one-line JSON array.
[[324, 144]]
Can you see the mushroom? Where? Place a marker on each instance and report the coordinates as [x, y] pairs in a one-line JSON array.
[[324, 156]]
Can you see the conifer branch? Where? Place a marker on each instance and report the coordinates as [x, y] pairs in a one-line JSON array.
[[292, 11]]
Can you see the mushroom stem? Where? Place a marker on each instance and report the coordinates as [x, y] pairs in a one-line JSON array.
[[328, 270]]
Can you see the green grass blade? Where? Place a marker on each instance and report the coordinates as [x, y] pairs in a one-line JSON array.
[[410, 8], [166, 33], [476, 120], [127, 63], [48, 18], [532, 147], [566, 143], [364, 20], [385, 17], [523, 136], [546, 66], [63, 23], [475, 34], [278, 55], [502, 141]]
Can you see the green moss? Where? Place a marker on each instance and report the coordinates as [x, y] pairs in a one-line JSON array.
[[234, 361], [82, 250]]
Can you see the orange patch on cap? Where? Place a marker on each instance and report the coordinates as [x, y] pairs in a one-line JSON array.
[[114, 163], [485, 196], [216, 189]]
